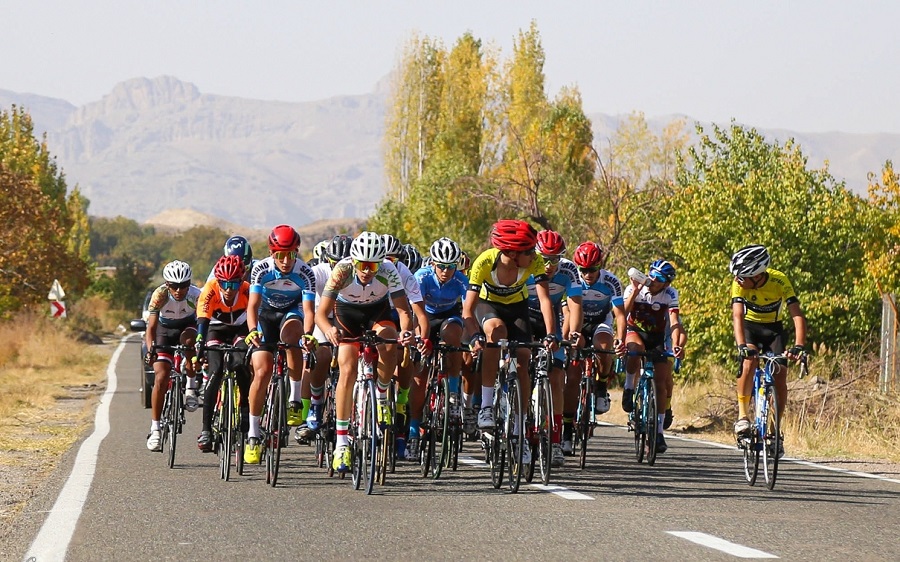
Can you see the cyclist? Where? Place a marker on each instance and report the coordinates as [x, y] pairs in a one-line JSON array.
[[395, 251], [760, 299], [497, 303], [464, 262], [280, 307], [171, 321], [443, 287], [317, 252], [652, 319], [237, 246], [563, 284], [411, 257], [357, 293], [222, 318], [313, 387]]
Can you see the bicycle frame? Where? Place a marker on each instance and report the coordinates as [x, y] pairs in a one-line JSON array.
[[643, 418]]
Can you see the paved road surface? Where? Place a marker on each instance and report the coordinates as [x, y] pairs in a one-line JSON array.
[[138, 509]]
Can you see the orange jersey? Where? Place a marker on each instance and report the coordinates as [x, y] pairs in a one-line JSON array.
[[211, 305]]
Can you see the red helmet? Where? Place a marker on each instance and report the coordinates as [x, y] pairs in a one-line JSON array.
[[587, 254], [550, 243], [284, 238], [513, 235], [229, 268]]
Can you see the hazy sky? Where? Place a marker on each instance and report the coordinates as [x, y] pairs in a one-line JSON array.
[[808, 66]]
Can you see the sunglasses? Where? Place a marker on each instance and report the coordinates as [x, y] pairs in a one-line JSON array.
[[587, 270], [229, 285], [366, 266], [445, 266], [179, 286], [551, 260], [285, 255]]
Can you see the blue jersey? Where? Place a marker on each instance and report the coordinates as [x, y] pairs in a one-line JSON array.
[[598, 299], [564, 283], [441, 298], [282, 290]]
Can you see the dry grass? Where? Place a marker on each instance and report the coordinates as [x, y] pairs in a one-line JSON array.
[[41, 365], [835, 412]]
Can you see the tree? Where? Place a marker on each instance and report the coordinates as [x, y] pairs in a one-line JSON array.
[[200, 247], [883, 247], [736, 189]]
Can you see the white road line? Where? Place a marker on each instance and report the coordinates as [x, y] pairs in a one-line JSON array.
[[52, 540], [555, 490], [785, 459], [716, 543]]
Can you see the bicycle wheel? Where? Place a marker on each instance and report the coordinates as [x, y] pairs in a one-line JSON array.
[[651, 423], [582, 421], [322, 434], [224, 430], [371, 422], [772, 441], [177, 397], [240, 438], [358, 445], [440, 434], [277, 419], [638, 422], [515, 421], [164, 421], [387, 451], [427, 423], [456, 436], [496, 438], [545, 421]]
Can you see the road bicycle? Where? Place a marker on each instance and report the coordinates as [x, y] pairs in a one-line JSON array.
[[274, 416], [228, 439], [539, 424], [764, 439], [585, 417], [643, 418], [369, 436], [171, 421], [442, 433]]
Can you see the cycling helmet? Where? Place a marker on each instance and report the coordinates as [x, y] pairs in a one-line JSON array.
[[513, 235], [392, 246], [411, 257], [319, 249], [177, 272], [368, 246], [587, 254], [750, 260], [338, 248], [284, 238], [444, 250], [464, 261], [229, 268], [662, 270], [550, 243], [239, 246]]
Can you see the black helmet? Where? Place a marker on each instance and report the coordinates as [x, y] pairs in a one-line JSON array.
[[338, 248], [239, 246]]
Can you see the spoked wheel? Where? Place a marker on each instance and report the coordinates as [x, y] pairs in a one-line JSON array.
[[173, 421], [359, 443], [164, 427], [773, 438], [582, 418], [224, 429], [749, 445], [651, 423], [496, 438], [386, 438], [240, 441], [426, 440], [516, 445], [371, 432], [274, 414], [545, 406], [440, 446], [639, 424]]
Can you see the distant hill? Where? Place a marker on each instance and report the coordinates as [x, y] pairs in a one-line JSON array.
[[154, 145]]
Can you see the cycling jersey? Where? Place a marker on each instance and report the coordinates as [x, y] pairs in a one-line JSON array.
[[768, 303], [483, 278], [564, 283], [410, 284], [344, 285], [282, 290], [650, 313], [598, 298], [439, 297], [173, 313], [214, 313]]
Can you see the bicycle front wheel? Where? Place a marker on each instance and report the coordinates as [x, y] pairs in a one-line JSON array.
[[496, 438], [440, 435], [515, 426], [174, 426], [224, 429], [651, 422], [582, 421], [772, 441], [371, 432], [276, 420], [544, 416], [639, 423]]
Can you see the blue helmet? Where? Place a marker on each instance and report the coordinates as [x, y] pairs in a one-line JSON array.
[[239, 246], [662, 270]]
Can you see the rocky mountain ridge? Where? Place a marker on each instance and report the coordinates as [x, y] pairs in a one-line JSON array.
[[157, 144]]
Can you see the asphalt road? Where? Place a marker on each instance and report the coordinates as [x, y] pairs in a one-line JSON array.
[[139, 509]]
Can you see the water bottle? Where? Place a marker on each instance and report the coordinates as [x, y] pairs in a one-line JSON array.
[[639, 276]]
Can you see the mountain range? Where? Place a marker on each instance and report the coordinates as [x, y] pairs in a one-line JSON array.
[[153, 146]]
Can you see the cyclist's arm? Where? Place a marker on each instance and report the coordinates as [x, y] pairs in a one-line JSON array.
[[619, 316], [253, 311], [543, 294], [575, 315], [468, 312], [150, 332], [401, 303], [737, 320], [309, 316], [799, 323], [421, 317], [679, 336]]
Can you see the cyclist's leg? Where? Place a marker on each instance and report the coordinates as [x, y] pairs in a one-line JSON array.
[[603, 339], [451, 334], [291, 332], [633, 342], [187, 338], [215, 370]]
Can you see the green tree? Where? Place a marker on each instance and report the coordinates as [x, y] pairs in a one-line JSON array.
[[736, 189], [883, 247], [200, 247]]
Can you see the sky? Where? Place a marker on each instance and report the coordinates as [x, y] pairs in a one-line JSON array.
[[802, 65]]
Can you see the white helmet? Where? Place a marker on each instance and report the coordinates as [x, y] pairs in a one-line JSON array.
[[750, 260], [444, 250], [177, 272], [392, 246], [368, 246], [319, 248]]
